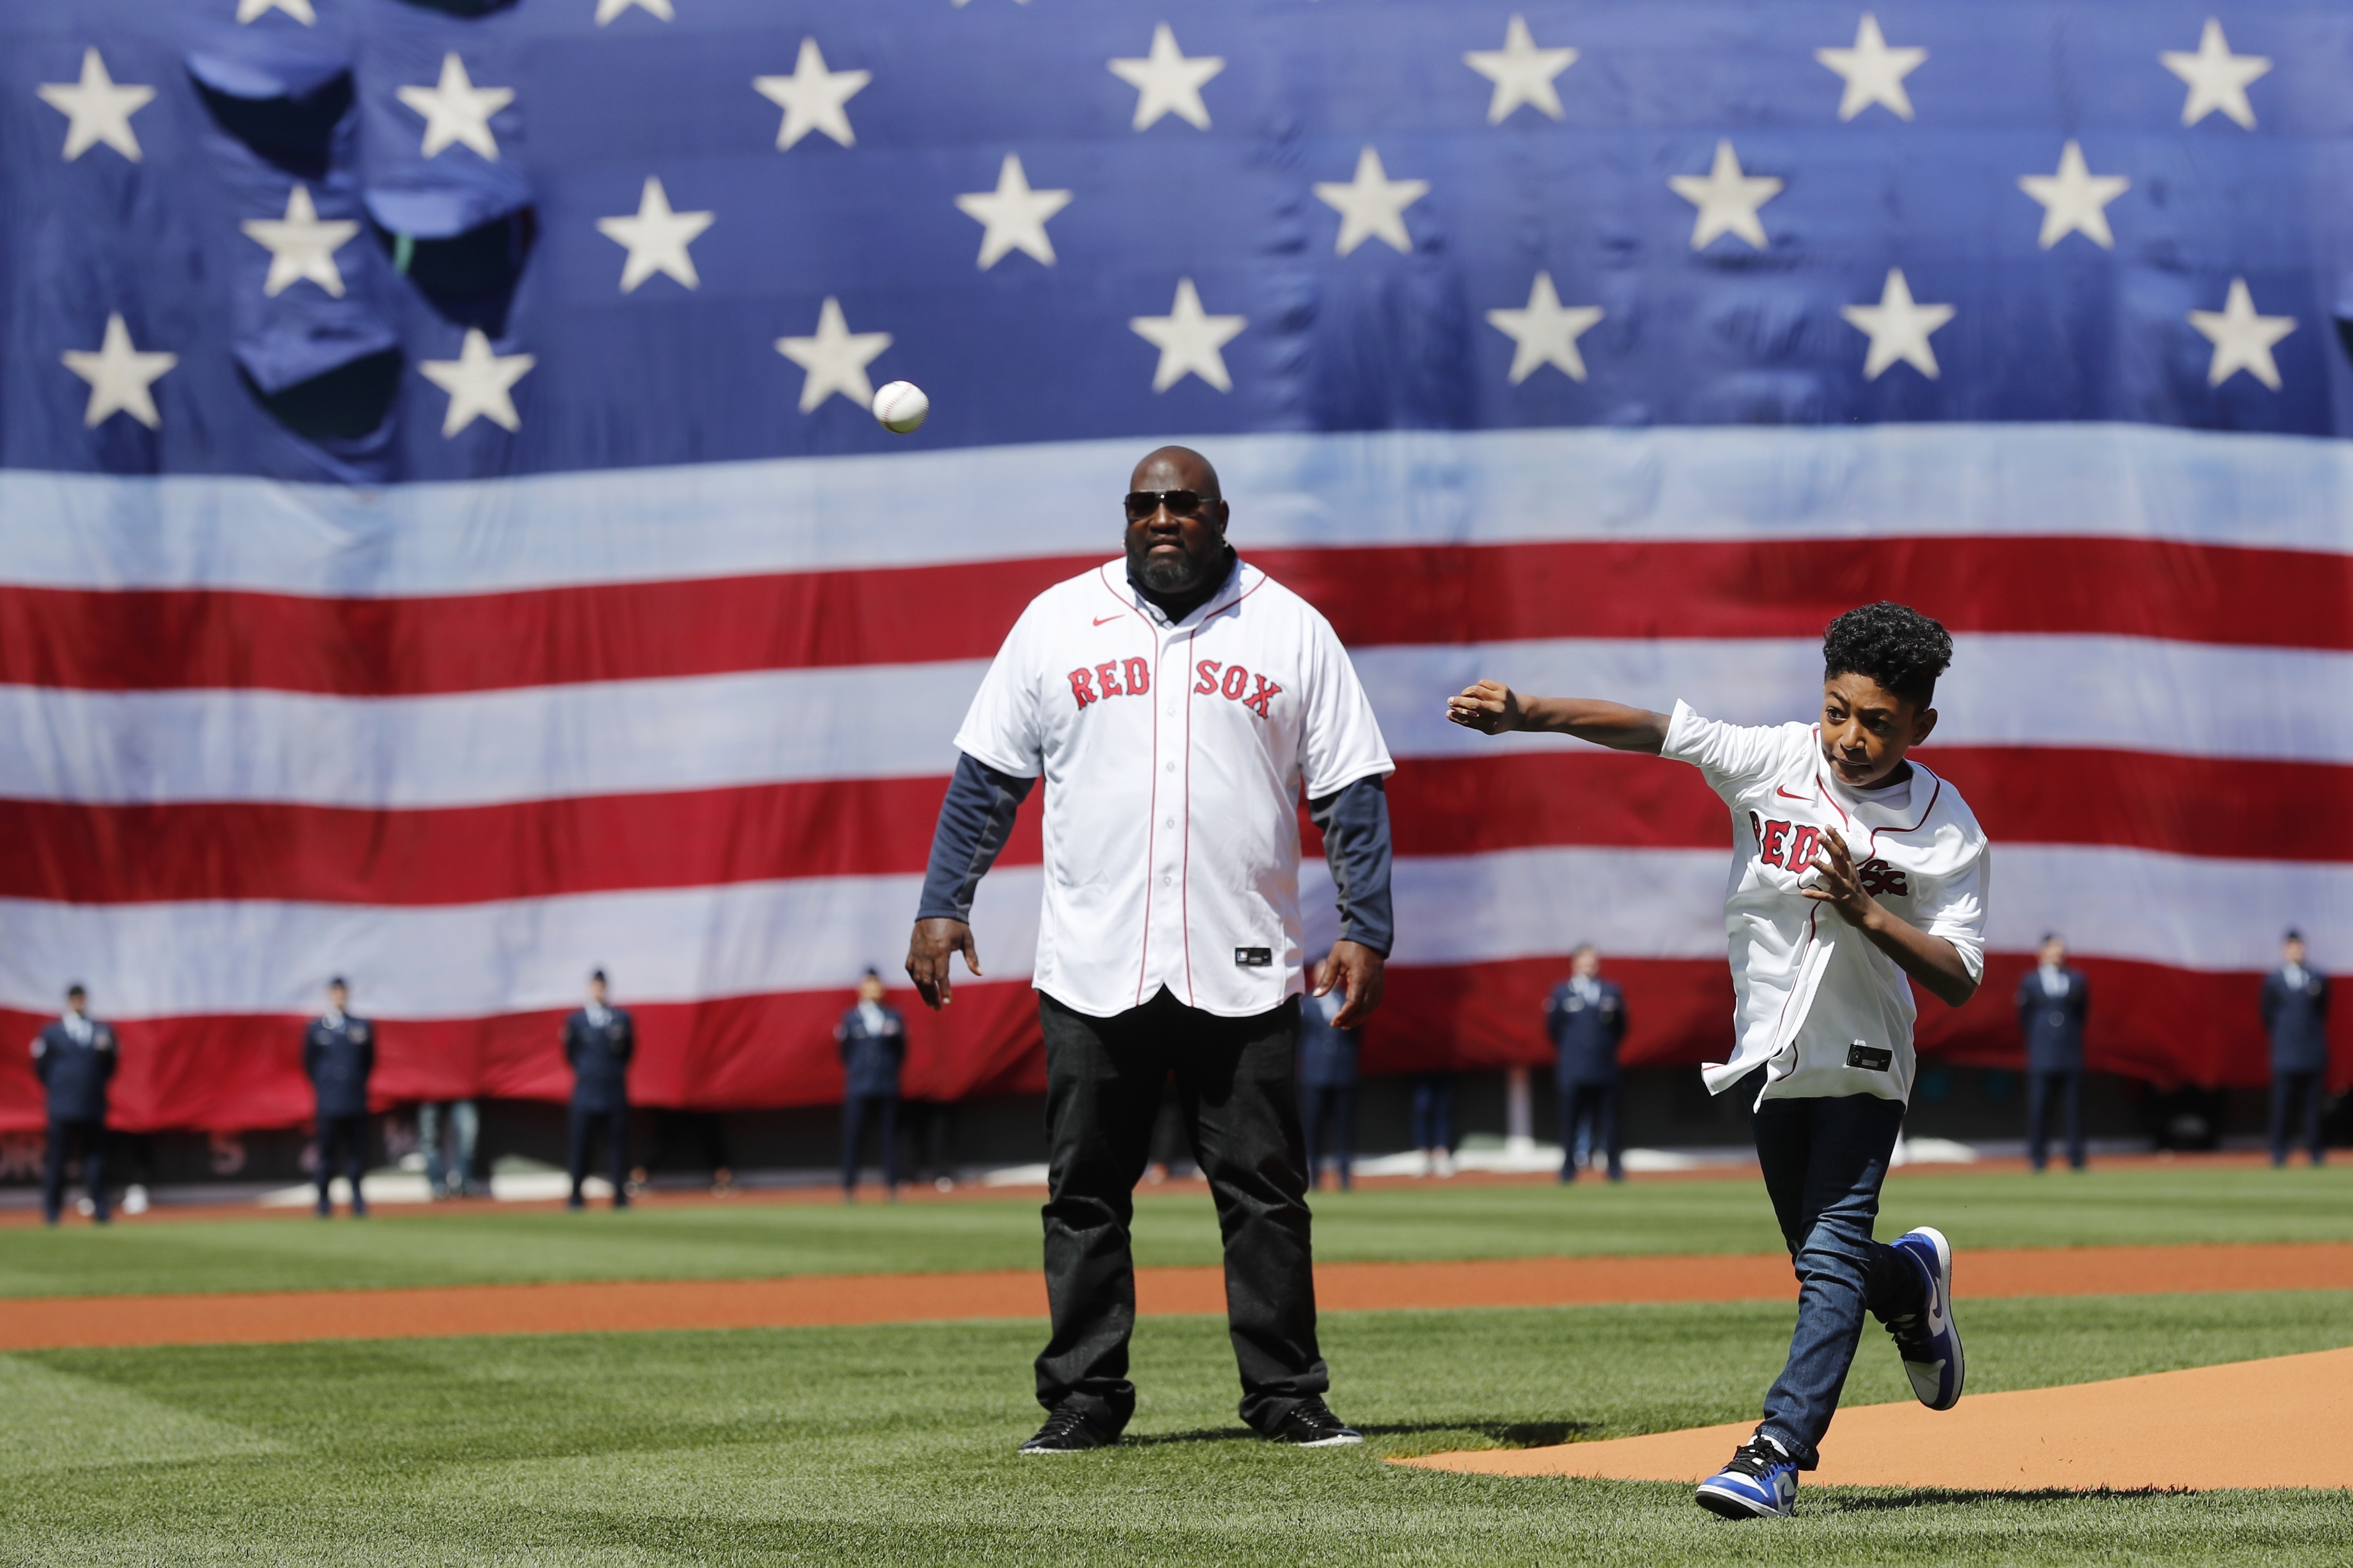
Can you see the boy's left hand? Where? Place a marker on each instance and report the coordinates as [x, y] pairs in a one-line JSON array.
[[1841, 886]]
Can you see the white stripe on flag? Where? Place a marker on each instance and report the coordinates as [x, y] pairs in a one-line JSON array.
[[818, 934], [899, 721], [723, 520]]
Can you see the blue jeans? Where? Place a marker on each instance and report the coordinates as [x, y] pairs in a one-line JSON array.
[[1824, 1160], [446, 1133]]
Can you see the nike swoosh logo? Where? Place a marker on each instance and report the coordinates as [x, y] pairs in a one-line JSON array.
[[1106, 620], [1785, 794]]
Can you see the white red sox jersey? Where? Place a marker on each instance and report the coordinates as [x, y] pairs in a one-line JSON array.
[[1174, 757], [1823, 1009]]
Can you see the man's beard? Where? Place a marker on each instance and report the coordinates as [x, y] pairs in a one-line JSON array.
[[1176, 574]]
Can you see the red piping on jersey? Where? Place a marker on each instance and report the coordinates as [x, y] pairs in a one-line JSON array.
[[1900, 832], [1144, 953], [1185, 868]]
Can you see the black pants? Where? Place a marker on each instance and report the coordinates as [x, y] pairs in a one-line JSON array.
[[854, 1110], [613, 1126], [1327, 1113], [91, 1137], [2285, 1085], [1433, 1111], [1824, 1160], [2040, 1084], [345, 1136], [1238, 1091], [1592, 1107]]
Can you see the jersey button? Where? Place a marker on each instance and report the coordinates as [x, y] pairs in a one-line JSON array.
[[1168, 821], [1170, 766]]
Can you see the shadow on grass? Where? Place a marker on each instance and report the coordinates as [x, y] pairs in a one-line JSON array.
[[1932, 1497], [1500, 1434]]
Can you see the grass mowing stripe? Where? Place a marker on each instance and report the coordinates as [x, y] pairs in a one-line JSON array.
[[751, 1240], [893, 1444]]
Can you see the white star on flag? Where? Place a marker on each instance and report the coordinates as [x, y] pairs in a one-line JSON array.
[[2217, 77], [609, 9], [1727, 199], [1372, 205], [655, 238], [2241, 340], [96, 109], [1521, 72], [479, 384], [1013, 216], [2074, 200], [812, 96], [119, 376], [1188, 340], [1873, 72], [1899, 328], [1165, 82], [251, 11], [836, 358], [457, 112], [301, 245], [1545, 332]]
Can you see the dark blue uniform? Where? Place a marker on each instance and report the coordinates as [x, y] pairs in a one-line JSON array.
[[2295, 1015], [1327, 1083], [599, 1051], [338, 1054], [75, 1072], [872, 1052], [2054, 1027], [1586, 1032]]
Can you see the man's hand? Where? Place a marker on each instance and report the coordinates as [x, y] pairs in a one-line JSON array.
[[928, 951], [1359, 972], [1490, 707]]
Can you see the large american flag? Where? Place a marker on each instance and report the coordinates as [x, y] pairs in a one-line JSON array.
[[443, 542]]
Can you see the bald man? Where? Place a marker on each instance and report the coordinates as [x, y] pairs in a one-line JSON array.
[[1178, 703]]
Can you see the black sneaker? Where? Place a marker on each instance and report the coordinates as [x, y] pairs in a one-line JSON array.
[[1311, 1425], [1067, 1431]]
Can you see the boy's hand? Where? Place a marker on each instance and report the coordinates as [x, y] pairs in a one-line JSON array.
[[1490, 707], [1841, 886]]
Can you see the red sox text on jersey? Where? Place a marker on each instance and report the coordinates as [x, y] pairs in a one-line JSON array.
[[1133, 678]]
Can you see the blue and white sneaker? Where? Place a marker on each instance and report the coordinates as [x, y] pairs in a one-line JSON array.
[[1927, 1341], [1761, 1482]]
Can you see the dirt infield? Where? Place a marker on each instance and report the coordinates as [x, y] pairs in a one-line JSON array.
[[2286, 1422], [615, 1305]]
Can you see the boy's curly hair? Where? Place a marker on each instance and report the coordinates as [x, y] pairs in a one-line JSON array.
[[1893, 644]]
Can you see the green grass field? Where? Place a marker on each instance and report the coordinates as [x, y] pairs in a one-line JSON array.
[[894, 1443], [750, 1239]]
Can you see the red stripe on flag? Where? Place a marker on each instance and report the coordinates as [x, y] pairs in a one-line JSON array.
[[2165, 1025], [226, 1074], [873, 828], [168, 639]]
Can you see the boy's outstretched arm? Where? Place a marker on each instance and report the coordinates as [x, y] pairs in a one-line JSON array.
[[1493, 707], [1932, 960]]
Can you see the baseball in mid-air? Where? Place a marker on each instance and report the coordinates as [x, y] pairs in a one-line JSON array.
[[902, 407]]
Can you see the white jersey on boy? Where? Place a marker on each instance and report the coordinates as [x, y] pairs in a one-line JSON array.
[[1824, 1010]]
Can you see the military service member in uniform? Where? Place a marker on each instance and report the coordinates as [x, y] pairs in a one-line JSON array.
[[338, 1055], [598, 1041], [74, 1058]]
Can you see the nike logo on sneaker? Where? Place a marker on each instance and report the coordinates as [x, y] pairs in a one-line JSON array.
[[1106, 620]]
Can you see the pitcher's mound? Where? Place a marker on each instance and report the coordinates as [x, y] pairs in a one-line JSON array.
[[2286, 1422]]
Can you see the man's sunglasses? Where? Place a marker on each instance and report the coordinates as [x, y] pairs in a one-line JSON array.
[[1141, 504]]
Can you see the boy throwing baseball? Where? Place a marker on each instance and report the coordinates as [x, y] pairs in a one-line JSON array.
[[1855, 874]]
